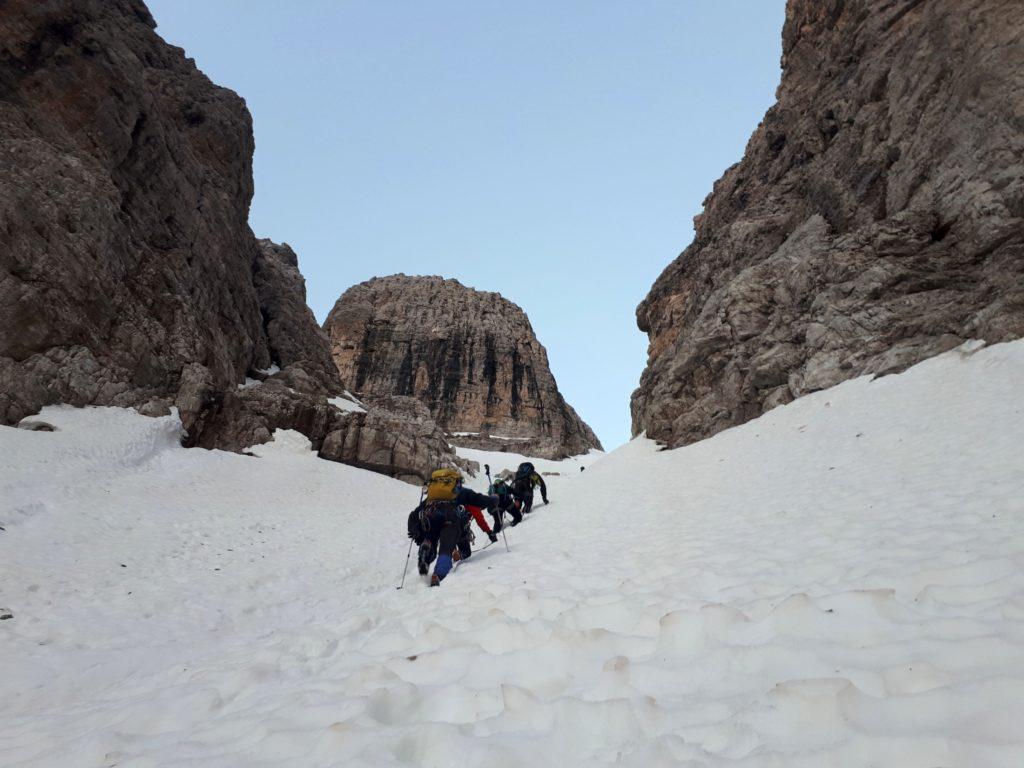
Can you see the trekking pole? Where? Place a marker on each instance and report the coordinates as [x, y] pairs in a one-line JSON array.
[[490, 487], [409, 553], [406, 571]]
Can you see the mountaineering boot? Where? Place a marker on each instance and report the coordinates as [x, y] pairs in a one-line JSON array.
[[435, 581]]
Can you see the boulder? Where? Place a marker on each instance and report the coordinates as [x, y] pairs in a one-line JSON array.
[[395, 436]]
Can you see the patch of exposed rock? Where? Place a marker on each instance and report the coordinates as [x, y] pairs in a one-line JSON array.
[[876, 219], [128, 272], [471, 357]]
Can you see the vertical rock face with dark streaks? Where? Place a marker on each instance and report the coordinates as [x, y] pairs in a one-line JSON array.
[[471, 357], [876, 219]]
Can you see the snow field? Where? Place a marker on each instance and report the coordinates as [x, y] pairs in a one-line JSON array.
[[552, 471], [838, 583]]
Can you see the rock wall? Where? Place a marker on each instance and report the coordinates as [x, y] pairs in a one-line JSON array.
[[125, 181], [876, 219], [128, 272], [471, 357], [293, 335]]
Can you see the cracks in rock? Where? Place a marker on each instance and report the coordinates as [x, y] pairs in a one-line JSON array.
[[123, 168]]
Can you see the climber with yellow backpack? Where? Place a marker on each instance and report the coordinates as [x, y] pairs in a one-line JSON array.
[[440, 524]]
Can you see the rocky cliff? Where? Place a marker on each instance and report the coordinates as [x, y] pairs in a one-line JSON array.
[[128, 272], [471, 357], [125, 181], [876, 219]]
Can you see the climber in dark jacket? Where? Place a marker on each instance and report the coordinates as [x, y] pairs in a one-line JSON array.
[[523, 483], [442, 527], [507, 503]]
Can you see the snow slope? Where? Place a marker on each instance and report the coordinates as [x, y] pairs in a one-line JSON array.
[[552, 470], [839, 583]]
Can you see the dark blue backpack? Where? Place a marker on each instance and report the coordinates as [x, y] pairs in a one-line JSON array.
[[525, 470]]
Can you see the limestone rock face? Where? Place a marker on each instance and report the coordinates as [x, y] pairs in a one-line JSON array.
[[876, 219], [125, 181], [128, 272], [293, 334], [471, 357]]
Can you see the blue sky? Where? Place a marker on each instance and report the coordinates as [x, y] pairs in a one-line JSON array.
[[555, 152]]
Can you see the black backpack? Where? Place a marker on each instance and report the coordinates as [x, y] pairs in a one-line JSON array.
[[436, 514], [522, 487]]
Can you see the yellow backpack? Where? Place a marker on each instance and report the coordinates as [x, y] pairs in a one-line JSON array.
[[443, 485]]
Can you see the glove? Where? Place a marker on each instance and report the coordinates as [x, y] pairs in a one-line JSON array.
[[492, 536], [545, 501]]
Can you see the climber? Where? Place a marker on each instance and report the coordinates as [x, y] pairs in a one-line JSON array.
[[440, 524], [523, 484], [507, 503]]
